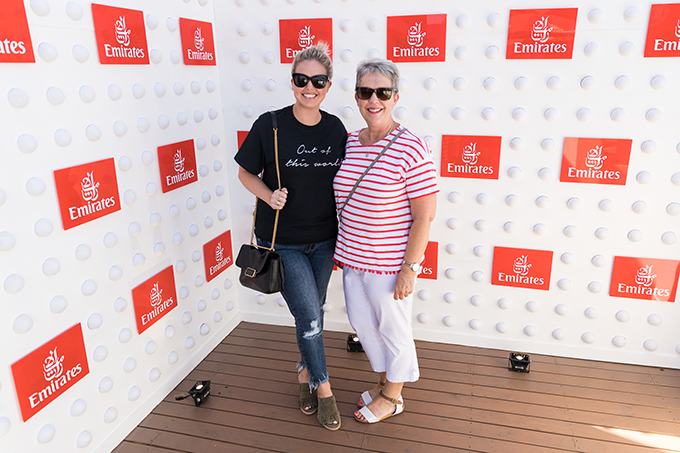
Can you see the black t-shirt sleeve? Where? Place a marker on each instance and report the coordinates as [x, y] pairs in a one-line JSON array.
[[251, 154]]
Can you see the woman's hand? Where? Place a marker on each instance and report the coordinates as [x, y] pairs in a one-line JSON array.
[[406, 281], [278, 199]]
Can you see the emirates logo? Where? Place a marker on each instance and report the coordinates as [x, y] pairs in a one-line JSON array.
[[305, 37], [595, 158], [199, 40], [521, 266], [540, 31], [121, 38], [644, 276], [122, 32], [511, 268], [677, 29], [52, 367], [88, 188], [154, 298], [415, 36], [59, 372], [470, 154], [91, 200], [655, 279], [155, 295], [178, 161], [219, 252]]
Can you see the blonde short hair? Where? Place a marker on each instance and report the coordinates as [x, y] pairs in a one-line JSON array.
[[318, 52]]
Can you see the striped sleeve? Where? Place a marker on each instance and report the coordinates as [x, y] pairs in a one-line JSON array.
[[421, 176]]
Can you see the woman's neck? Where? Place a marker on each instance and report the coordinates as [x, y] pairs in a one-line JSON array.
[[308, 117], [374, 134]]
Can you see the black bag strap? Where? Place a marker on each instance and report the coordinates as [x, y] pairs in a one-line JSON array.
[[368, 168], [275, 127]]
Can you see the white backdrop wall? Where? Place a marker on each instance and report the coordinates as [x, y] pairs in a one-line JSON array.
[[607, 90], [67, 109], [55, 279]]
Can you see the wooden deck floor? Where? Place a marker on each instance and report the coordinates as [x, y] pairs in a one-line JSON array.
[[465, 401]]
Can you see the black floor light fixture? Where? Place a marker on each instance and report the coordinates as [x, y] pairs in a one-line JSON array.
[[519, 362], [199, 392], [353, 343]]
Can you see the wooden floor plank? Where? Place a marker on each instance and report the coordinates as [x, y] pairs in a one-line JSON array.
[[565, 367], [131, 447], [530, 382], [363, 379], [171, 441], [605, 379], [423, 401], [248, 329], [455, 418], [465, 401], [441, 417]]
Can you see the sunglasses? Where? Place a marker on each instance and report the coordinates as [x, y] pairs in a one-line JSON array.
[[384, 94], [318, 81]]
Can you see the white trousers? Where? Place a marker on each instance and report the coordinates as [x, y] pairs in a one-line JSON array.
[[382, 323]]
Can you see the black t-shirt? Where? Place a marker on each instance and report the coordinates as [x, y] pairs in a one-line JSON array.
[[309, 158]]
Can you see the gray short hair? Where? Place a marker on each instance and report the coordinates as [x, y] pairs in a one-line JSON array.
[[384, 67], [318, 52]]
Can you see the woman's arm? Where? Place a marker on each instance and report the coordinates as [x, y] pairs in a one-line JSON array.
[[422, 211], [275, 199]]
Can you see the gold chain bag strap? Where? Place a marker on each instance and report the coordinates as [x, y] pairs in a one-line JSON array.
[[262, 267]]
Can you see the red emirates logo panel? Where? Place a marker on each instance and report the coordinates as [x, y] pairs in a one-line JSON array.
[[470, 156], [177, 164], [240, 138], [154, 298], [87, 192], [15, 36], [522, 268], [121, 36], [595, 160], [645, 278], [217, 255], [429, 270], [297, 34], [416, 38], [47, 372], [541, 33], [663, 32], [198, 46]]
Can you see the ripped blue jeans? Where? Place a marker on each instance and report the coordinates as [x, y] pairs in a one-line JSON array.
[[307, 270]]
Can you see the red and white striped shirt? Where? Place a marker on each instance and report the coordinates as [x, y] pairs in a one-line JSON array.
[[375, 224]]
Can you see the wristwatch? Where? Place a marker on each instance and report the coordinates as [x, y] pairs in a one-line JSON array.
[[415, 267]]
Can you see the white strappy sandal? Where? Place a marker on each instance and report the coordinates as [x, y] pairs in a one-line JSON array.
[[369, 417], [366, 398]]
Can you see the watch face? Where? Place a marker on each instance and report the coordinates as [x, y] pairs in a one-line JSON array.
[[415, 267]]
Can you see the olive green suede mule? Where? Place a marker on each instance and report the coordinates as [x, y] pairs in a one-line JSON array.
[[308, 402], [329, 415]]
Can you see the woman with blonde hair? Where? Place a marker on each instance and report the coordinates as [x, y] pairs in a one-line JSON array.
[[311, 146]]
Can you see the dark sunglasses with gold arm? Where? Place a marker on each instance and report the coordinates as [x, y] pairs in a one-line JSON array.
[[384, 94]]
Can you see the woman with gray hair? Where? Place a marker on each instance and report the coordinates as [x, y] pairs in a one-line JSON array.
[[311, 144], [385, 192]]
